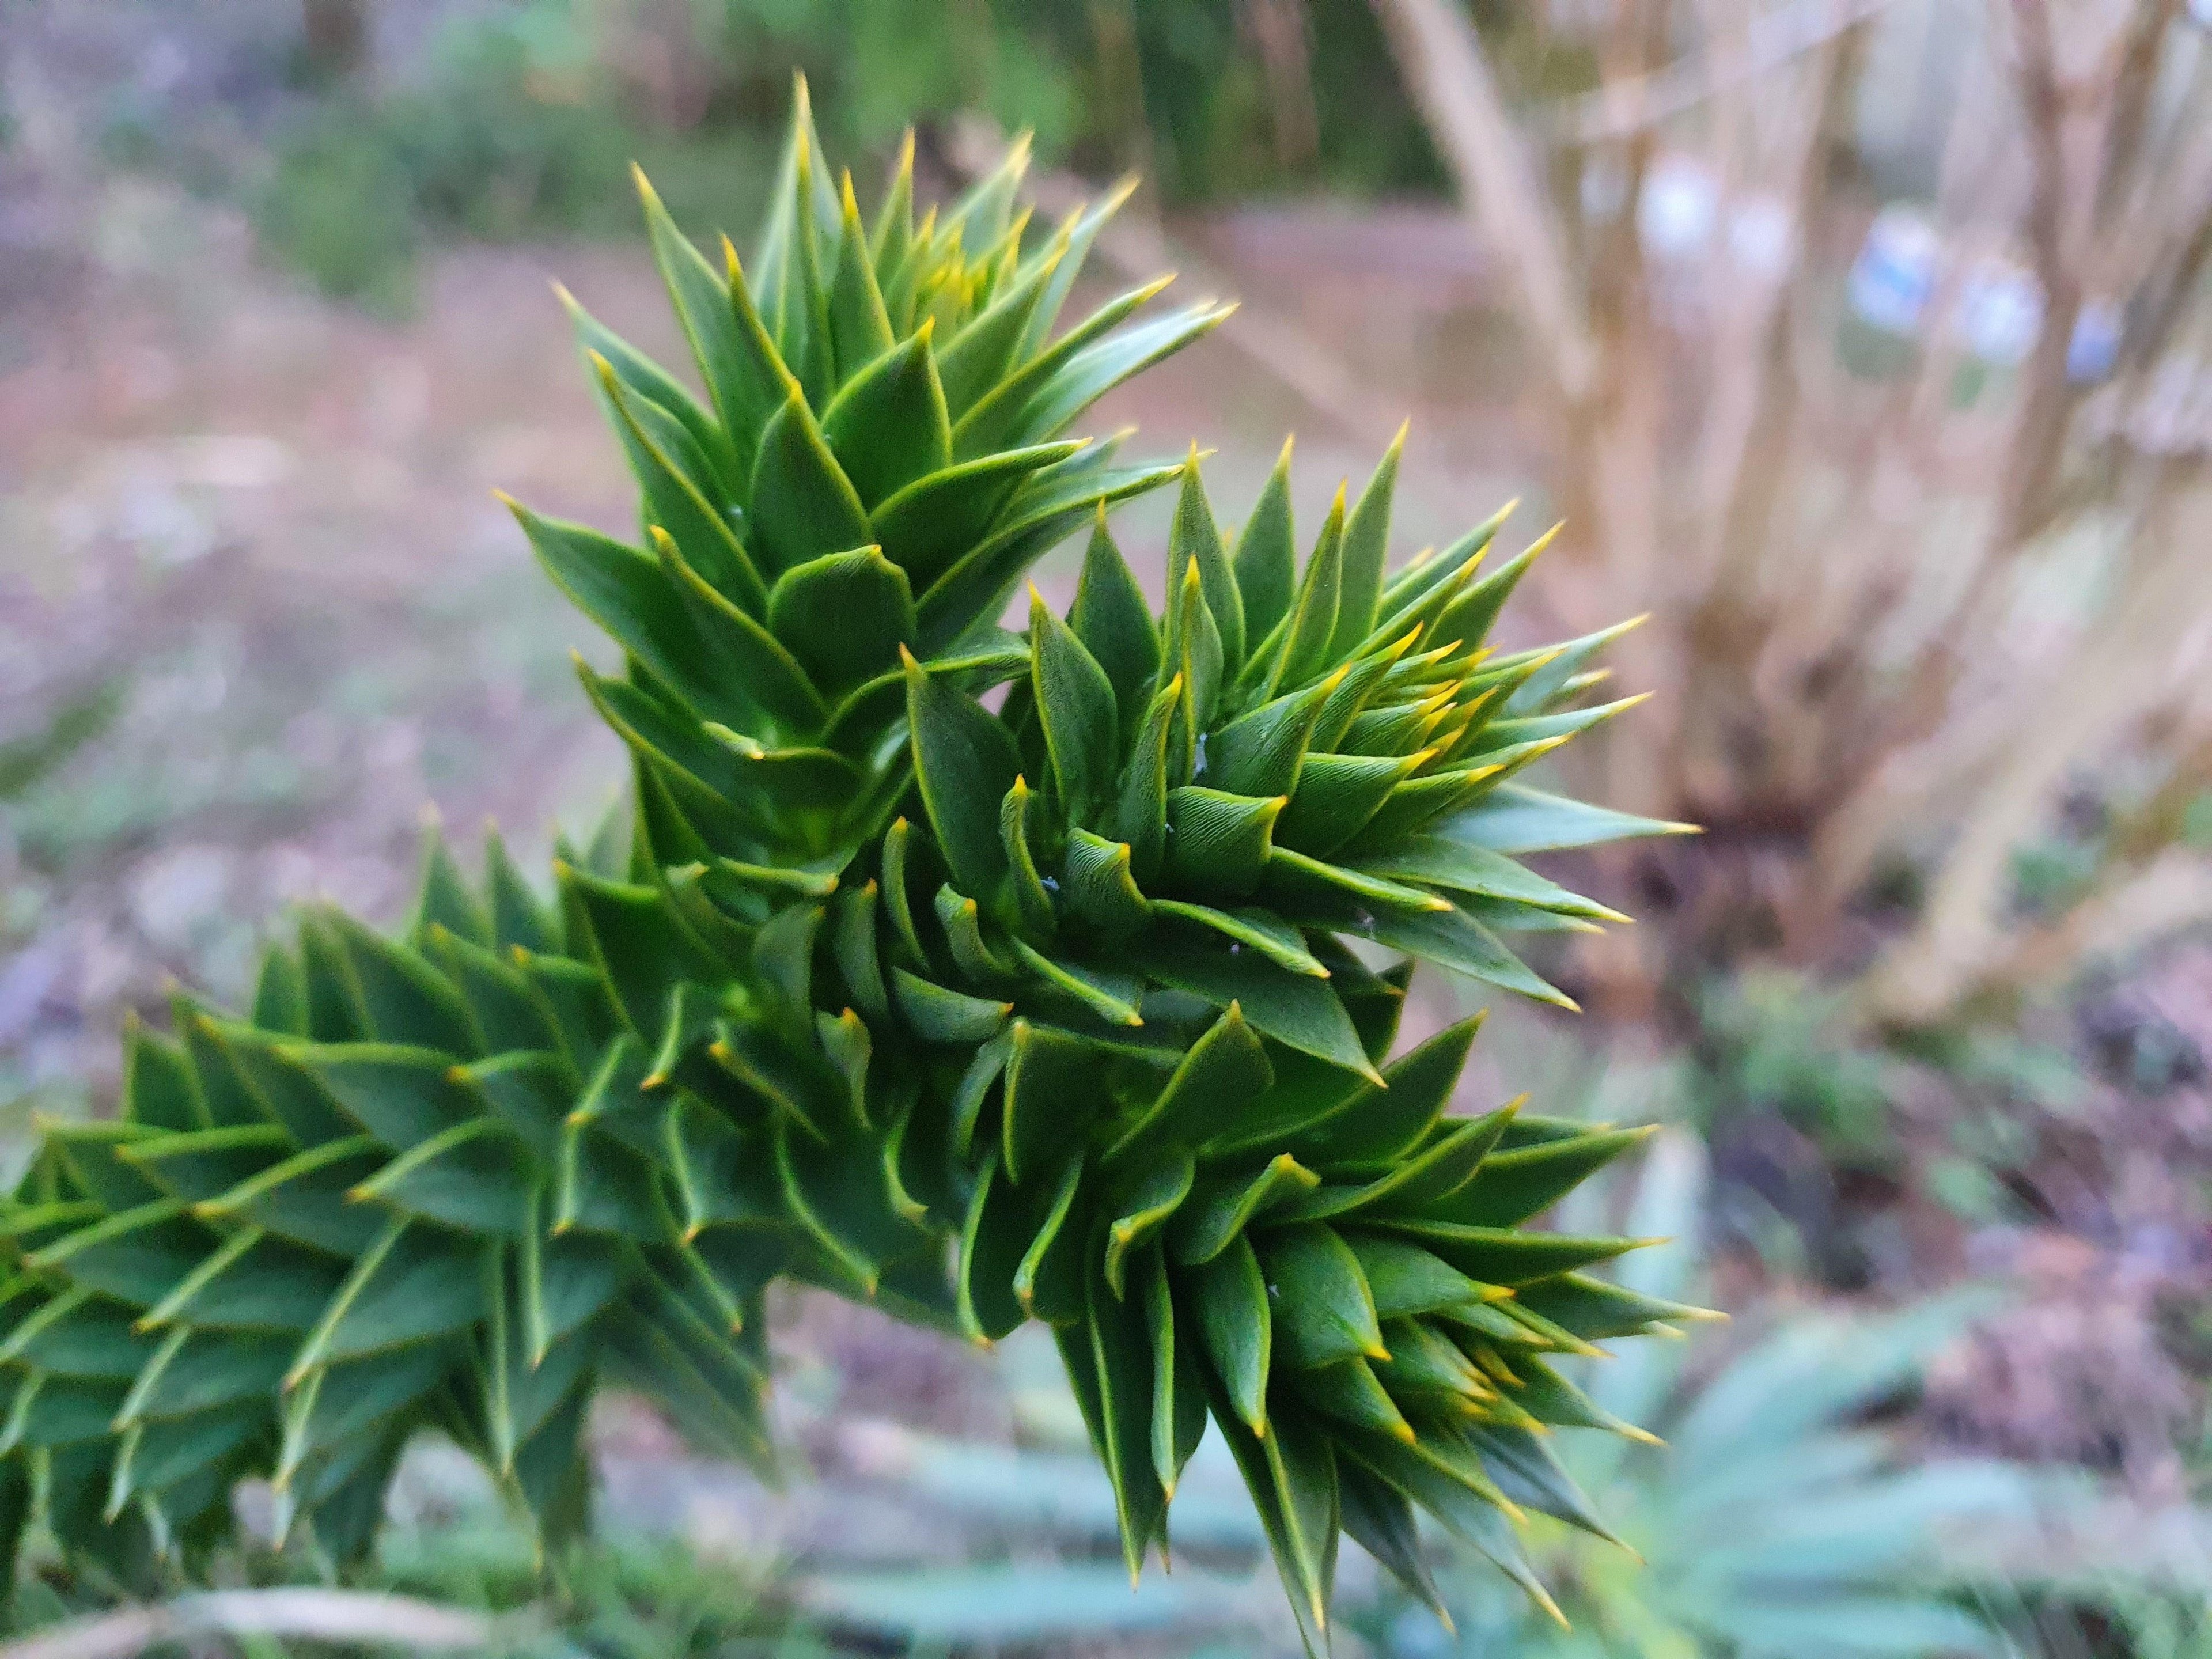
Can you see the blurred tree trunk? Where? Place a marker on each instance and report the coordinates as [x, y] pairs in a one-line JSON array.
[[334, 41], [1117, 72], [1279, 30]]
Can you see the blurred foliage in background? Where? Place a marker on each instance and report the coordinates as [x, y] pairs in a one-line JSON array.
[[523, 117]]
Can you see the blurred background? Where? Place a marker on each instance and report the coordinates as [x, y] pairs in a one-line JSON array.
[[1864, 345]]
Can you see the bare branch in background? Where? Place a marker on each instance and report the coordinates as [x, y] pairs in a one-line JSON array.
[[1636, 103], [1445, 68], [2133, 82], [2039, 430], [1280, 29]]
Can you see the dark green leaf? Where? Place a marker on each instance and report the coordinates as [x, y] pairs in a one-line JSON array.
[[633, 935], [1140, 817], [1259, 753], [400, 1095], [1418, 1183], [1406, 1279], [1235, 1322], [1336, 795], [1051, 1094], [1511, 1187], [843, 615], [1193, 647], [1001, 1228], [888, 427], [1324, 1311], [1224, 1066], [1530, 1472], [280, 993], [973, 591], [1178, 1390], [1076, 702], [1312, 622], [517, 917], [999, 418], [442, 899], [1110, 994], [1591, 1308], [845, 1203], [1030, 895], [1348, 1391], [632, 597], [1193, 538], [403, 997], [1452, 940], [157, 1085], [1122, 1356], [939, 1015], [1218, 1212], [474, 1177], [1267, 558], [853, 943], [859, 328], [1088, 374], [674, 499], [964, 763], [1458, 1495], [1114, 623], [1462, 867], [1410, 592], [1097, 884], [1366, 545], [1303, 1465], [926, 527], [1145, 1208], [1299, 1012], [652, 383], [1258, 930], [1050, 1282], [1380, 1519], [1506, 1255], [803, 505], [409, 1284], [1217, 843], [739, 366], [979, 355]]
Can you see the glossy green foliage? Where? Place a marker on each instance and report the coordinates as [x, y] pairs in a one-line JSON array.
[[881, 452], [1131, 894], [1781, 1517], [413, 1187], [1189, 802], [1051, 1010]]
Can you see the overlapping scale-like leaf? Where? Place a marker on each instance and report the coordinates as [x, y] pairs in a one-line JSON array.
[[444, 1181], [302, 1242], [1075, 993], [1120, 912], [1153, 785], [878, 458]]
